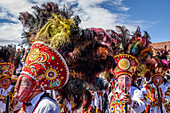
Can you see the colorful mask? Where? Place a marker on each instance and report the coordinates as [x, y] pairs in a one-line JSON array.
[[44, 65], [157, 80], [5, 83], [6, 71], [126, 67], [23, 88], [124, 81]]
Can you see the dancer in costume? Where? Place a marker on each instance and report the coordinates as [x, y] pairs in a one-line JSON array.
[[45, 69], [124, 97], [79, 48], [127, 65], [6, 79], [156, 92]]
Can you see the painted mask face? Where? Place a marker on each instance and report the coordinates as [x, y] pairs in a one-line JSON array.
[[5, 83], [124, 81], [23, 88], [157, 80]]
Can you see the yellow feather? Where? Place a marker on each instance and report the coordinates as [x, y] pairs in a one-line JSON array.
[[56, 31]]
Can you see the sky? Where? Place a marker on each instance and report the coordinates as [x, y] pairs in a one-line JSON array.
[[150, 15]]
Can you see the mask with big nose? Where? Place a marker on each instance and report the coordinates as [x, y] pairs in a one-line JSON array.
[[124, 81], [44, 65], [24, 88]]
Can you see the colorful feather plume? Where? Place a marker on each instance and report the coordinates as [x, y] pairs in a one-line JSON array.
[[32, 23], [123, 39], [56, 31]]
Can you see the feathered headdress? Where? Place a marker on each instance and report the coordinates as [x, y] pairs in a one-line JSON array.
[[139, 47], [51, 20], [126, 63], [151, 60], [84, 55]]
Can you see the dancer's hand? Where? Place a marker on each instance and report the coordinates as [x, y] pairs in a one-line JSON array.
[[127, 98]]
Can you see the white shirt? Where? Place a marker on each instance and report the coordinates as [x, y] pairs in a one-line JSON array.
[[4, 93], [46, 105]]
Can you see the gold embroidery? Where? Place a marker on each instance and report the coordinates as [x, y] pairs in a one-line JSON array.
[[124, 64], [43, 59], [34, 54]]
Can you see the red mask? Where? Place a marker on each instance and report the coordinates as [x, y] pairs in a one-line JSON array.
[[157, 80], [23, 88], [124, 81]]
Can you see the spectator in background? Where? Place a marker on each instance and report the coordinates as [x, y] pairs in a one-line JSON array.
[[18, 52], [23, 51], [18, 70]]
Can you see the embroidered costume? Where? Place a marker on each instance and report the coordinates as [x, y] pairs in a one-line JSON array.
[[6, 77], [151, 97], [126, 64]]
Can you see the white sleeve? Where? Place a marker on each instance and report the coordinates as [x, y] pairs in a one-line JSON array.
[[47, 105], [137, 102], [2, 107], [96, 100], [100, 100]]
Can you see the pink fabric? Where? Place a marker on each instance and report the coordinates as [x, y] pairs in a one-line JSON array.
[[164, 62]]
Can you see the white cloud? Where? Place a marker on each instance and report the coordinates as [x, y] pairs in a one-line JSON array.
[[120, 6], [91, 13], [10, 33], [13, 7], [118, 2], [124, 8]]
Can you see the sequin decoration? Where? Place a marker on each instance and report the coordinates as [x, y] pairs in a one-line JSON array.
[[52, 58], [51, 74]]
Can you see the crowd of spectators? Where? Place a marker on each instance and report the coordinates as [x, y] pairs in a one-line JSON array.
[[20, 58]]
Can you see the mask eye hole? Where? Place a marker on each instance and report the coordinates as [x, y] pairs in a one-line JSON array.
[[22, 83]]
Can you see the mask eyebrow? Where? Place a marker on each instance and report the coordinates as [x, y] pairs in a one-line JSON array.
[[24, 79], [121, 77], [127, 78]]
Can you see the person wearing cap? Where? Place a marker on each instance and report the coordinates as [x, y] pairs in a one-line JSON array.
[[157, 93], [45, 69], [125, 94]]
